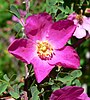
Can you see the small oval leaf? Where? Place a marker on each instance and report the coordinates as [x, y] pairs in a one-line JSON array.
[[76, 73], [76, 82], [6, 77], [14, 10], [3, 87], [13, 77], [14, 94], [34, 92]]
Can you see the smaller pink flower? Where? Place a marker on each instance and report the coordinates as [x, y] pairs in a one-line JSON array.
[[87, 10], [69, 93], [82, 23]]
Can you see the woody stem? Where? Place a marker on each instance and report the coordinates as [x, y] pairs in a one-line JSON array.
[[26, 83]]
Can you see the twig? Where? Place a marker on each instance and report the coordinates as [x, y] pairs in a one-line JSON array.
[[26, 71], [25, 93], [27, 6], [24, 96]]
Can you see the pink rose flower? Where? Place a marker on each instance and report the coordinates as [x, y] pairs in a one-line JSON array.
[[44, 46], [82, 23], [69, 93]]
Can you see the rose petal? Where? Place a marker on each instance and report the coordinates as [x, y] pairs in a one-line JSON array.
[[86, 26], [59, 35], [23, 49], [79, 32], [84, 96], [62, 24], [66, 57], [72, 16], [35, 23], [70, 92], [41, 68]]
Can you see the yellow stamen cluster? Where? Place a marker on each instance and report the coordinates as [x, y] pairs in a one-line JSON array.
[[79, 17], [44, 50]]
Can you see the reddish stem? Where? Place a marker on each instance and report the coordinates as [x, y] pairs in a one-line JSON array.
[[78, 43], [25, 93], [27, 6]]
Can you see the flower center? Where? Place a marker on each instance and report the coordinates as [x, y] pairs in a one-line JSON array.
[[79, 17], [44, 50]]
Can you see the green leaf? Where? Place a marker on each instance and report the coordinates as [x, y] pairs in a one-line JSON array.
[[51, 82], [20, 85], [52, 9], [81, 2], [13, 77], [29, 14], [61, 1], [53, 2], [14, 94], [72, 6], [67, 10], [1, 73], [61, 16], [76, 73], [16, 88], [50, 2], [82, 61], [69, 83], [6, 77], [69, 42], [34, 92], [76, 82], [14, 10], [17, 27], [61, 8], [3, 87], [65, 79], [55, 87]]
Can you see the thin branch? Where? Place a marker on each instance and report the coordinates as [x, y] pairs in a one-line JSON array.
[[25, 93], [27, 6], [26, 71], [24, 96]]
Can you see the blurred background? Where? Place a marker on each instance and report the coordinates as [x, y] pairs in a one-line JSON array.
[[10, 65]]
